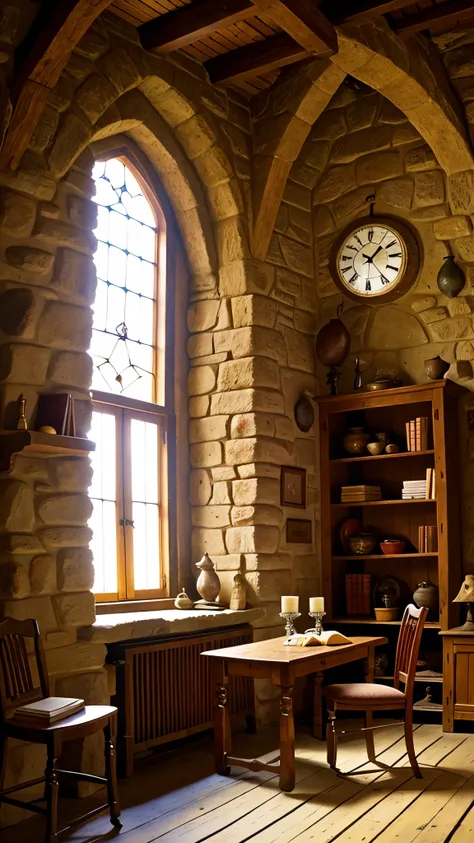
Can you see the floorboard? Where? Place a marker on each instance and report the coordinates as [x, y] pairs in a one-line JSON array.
[[175, 796]]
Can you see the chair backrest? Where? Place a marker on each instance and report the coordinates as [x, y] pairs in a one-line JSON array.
[[19, 683], [408, 647]]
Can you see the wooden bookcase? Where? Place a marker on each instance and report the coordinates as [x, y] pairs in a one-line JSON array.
[[391, 517]]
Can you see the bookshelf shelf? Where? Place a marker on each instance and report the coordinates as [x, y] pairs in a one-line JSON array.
[[380, 556], [408, 502], [403, 455], [348, 619]]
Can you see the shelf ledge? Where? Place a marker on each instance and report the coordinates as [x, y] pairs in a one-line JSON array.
[[370, 457], [34, 442]]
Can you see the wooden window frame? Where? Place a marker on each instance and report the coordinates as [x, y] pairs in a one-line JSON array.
[[120, 406]]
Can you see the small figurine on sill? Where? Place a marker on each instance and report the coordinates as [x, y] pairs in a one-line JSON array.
[[238, 597]]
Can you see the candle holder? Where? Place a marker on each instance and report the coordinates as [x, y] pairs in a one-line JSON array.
[[318, 622], [289, 618]]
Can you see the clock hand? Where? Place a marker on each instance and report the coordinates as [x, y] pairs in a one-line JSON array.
[[369, 259], [377, 251]]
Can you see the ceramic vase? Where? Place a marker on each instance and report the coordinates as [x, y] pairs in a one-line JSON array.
[[356, 441], [450, 278], [427, 595], [333, 343], [436, 368], [208, 584]]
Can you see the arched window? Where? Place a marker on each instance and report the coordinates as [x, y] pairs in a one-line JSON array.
[[129, 422]]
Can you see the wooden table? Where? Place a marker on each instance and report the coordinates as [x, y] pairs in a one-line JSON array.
[[282, 665], [458, 676]]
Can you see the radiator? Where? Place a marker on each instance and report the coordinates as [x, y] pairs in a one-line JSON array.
[[164, 690]]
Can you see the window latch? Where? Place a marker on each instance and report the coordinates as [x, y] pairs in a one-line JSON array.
[[125, 522]]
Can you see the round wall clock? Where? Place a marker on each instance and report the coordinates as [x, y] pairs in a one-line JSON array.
[[375, 259]]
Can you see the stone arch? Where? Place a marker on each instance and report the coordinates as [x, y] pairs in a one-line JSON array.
[[412, 79]]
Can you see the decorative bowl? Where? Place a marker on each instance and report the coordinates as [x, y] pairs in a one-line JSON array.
[[349, 528], [376, 448], [390, 546], [384, 614], [382, 384], [363, 544]]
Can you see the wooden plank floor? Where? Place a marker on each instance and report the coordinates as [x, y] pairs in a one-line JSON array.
[[175, 797]]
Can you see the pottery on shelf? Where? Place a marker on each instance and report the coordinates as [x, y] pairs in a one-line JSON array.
[[238, 597], [333, 343], [182, 601], [355, 442], [427, 595], [392, 546], [350, 527], [451, 278], [436, 368], [363, 544], [376, 448], [391, 613], [208, 584], [392, 448]]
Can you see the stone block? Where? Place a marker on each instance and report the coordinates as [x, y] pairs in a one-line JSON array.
[[464, 351], [261, 449], [256, 490], [221, 493], [452, 329], [43, 574], [198, 406], [17, 311], [39, 608], [200, 487], [248, 372], [208, 429], [225, 472], [65, 509], [76, 609], [16, 507], [398, 193], [17, 544], [300, 350], [429, 189], [423, 303], [24, 364], [268, 562], [251, 310], [210, 516], [379, 167], [70, 474], [252, 342], [350, 205], [265, 586], [230, 562], [14, 581], [92, 687], [55, 537], [232, 240], [245, 276], [244, 516], [405, 134], [452, 227], [66, 235], [459, 307], [207, 541], [94, 96], [65, 326], [68, 368], [247, 401], [420, 159], [392, 329], [202, 315], [361, 113], [258, 539], [252, 424], [75, 277], [431, 214], [434, 314], [30, 259], [75, 659], [465, 247], [200, 345], [258, 469], [201, 380], [336, 182], [330, 126], [17, 213], [205, 454], [461, 192], [352, 146], [288, 282]]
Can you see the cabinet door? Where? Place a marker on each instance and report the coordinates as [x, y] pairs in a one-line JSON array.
[[464, 681]]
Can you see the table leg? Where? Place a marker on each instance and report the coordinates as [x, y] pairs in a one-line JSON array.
[[318, 706], [369, 665], [287, 739], [222, 742], [369, 670]]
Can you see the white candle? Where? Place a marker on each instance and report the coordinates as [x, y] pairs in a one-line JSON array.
[[289, 605], [316, 604]]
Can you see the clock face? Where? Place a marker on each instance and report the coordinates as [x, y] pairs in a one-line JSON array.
[[371, 260]]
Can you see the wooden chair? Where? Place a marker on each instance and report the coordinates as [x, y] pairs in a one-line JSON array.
[[17, 687], [370, 697]]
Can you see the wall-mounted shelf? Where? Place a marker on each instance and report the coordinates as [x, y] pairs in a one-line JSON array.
[[370, 458], [34, 442], [377, 556], [395, 502], [375, 622]]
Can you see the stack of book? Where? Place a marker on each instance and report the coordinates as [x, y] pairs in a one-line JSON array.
[[417, 434], [427, 539], [358, 594], [48, 711], [413, 489], [356, 494]]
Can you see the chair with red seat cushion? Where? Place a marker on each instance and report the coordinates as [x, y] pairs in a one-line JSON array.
[[370, 697], [19, 686]]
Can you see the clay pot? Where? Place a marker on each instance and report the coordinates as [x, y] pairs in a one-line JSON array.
[[208, 584], [450, 278], [333, 343], [356, 441], [436, 368], [376, 448], [427, 595], [392, 546], [182, 601], [363, 544]]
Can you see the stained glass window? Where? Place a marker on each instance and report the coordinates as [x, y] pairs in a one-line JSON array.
[[123, 345]]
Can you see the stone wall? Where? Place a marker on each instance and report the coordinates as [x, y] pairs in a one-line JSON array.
[[367, 146]]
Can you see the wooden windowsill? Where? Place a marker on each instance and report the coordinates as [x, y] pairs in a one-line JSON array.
[[123, 606]]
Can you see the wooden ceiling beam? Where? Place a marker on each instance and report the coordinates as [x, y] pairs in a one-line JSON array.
[[304, 22], [39, 60], [358, 11], [190, 23], [445, 13], [254, 59]]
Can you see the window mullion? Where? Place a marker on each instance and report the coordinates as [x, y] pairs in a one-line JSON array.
[[128, 505], [121, 549]]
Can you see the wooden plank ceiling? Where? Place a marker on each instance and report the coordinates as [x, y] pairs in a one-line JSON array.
[[243, 43]]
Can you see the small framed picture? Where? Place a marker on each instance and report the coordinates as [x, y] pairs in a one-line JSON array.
[[298, 531], [293, 487]]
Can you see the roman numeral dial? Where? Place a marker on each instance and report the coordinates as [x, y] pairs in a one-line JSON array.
[[372, 259]]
